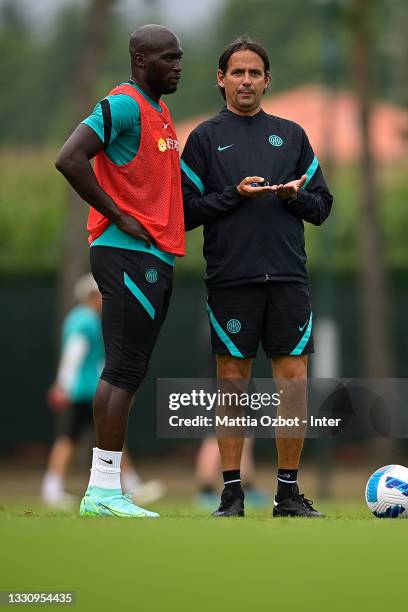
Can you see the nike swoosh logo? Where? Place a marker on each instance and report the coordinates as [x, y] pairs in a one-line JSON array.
[[223, 148], [118, 512], [303, 326], [113, 512], [106, 460]]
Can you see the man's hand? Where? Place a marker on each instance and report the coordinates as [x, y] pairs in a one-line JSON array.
[[289, 190], [246, 191], [57, 399], [73, 162], [132, 227]]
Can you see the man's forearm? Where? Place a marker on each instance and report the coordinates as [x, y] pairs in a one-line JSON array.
[[201, 209], [311, 207], [80, 175]]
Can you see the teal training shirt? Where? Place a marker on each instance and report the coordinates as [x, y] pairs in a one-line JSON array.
[[125, 135], [84, 321], [122, 148], [114, 237]]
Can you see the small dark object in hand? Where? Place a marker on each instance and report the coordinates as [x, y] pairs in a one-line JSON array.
[[263, 184]]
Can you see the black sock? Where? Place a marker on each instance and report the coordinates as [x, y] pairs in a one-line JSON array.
[[286, 481], [232, 481]]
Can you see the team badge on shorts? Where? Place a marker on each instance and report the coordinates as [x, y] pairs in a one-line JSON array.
[[234, 326], [151, 275], [275, 141]]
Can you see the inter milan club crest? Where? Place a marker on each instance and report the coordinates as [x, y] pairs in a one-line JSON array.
[[275, 141], [233, 326], [151, 275]]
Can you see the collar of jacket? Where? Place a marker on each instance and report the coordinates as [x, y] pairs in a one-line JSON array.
[[247, 118]]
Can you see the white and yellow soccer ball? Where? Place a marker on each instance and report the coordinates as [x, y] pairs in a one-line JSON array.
[[387, 492]]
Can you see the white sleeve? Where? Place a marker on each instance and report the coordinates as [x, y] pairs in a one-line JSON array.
[[73, 355]]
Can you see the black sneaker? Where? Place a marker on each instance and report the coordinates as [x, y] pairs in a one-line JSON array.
[[231, 504], [295, 505]]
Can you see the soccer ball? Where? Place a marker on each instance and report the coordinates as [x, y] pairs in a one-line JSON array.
[[387, 492]]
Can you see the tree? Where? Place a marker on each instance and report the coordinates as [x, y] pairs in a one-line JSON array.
[[374, 307], [75, 251], [19, 58]]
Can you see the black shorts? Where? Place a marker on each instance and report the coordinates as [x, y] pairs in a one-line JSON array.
[[72, 421], [136, 289], [277, 314]]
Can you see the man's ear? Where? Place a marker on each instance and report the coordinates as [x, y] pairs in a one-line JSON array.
[[139, 60], [268, 82], [220, 78]]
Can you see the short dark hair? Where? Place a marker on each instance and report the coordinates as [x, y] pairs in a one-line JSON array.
[[242, 44]]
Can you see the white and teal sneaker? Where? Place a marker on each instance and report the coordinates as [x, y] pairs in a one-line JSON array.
[[111, 502]]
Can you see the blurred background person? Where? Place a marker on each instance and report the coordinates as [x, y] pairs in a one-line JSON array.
[[71, 397]]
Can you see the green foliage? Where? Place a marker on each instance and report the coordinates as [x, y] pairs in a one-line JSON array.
[[336, 245], [17, 49], [302, 38], [198, 92], [38, 74], [61, 57], [290, 31], [33, 204], [32, 208]]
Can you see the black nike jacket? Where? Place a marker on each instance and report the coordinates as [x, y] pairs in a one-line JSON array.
[[251, 239]]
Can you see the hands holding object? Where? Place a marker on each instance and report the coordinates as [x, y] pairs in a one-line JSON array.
[[254, 186]]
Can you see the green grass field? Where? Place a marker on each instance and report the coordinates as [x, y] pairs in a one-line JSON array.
[[188, 561]]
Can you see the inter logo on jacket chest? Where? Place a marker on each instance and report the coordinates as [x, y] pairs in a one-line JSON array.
[[275, 141]]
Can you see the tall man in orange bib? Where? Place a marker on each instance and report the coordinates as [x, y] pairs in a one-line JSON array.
[[136, 229]]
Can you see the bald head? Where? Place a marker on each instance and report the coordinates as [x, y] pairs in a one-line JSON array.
[[155, 56], [149, 38]]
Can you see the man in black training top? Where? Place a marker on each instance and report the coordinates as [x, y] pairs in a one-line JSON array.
[[255, 252]]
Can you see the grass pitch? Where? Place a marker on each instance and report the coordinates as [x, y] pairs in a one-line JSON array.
[[186, 561]]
